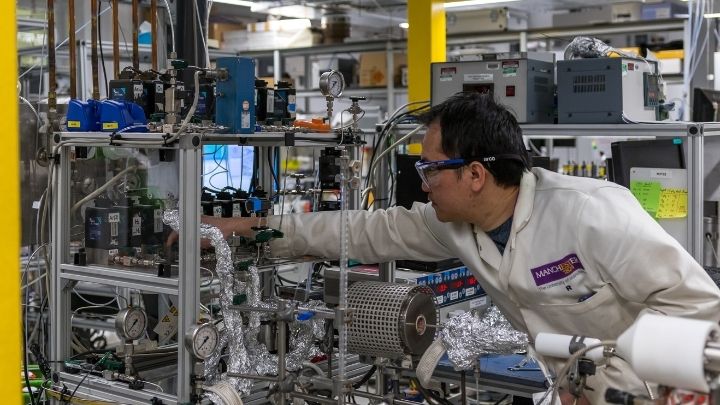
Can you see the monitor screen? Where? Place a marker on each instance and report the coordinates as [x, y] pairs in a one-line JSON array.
[[705, 105], [655, 153], [227, 166]]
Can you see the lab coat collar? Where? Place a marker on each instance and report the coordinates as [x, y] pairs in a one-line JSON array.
[[524, 203], [521, 216]]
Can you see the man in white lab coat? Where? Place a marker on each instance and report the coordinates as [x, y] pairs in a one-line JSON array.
[[555, 253]]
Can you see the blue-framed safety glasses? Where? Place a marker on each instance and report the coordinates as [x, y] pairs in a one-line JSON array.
[[427, 169]]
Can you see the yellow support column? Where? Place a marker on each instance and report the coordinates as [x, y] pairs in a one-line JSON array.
[[426, 44], [10, 346]]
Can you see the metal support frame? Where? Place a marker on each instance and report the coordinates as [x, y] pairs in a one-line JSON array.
[[60, 310], [186, 286], [189, 288]]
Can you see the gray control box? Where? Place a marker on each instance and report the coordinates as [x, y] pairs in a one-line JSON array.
[[521, 81], [607, 91]]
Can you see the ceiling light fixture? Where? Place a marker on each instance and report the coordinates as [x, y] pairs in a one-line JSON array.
[[455, 4], [404, 25], [236, 2], [712, 15]]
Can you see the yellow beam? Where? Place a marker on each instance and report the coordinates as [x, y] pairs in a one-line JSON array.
[[10, 346], [426, 44]]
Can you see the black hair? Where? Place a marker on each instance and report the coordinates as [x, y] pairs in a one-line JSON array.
[[474, 125]]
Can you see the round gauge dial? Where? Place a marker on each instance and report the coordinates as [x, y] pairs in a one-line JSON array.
[[130, 323], [202, 340], [332, 83]]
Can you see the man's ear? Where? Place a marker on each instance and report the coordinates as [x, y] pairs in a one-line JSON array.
[[478, 175]]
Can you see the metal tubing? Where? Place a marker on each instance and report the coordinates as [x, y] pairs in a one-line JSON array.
[[52, 86], [116, 39], [712, 356], [94, 51], [314, 398], [153, 30], [72, 48], [253, 377], [381, 398], [135, 23]]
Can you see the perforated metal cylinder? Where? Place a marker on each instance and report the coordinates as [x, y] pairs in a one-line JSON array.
[[389, 320]]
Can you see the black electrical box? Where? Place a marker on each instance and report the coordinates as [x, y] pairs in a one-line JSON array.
[[148, 94], [329, 169], [106, 227]]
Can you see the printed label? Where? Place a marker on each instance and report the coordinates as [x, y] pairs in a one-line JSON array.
[[469, 291], [137, 225], [245, 123], [73, 124], [661, 174], [168, 325], [510, 68], [237, 211], [110, 125], [217, 211], [478, 302], [479, 77], [447, 73], [270, 101], [556, 270]]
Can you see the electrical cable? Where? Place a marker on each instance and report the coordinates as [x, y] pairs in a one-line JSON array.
[[86, 375], [102, 54], [102, 188], [568, 365], [371, 171], [172, 25], [272, 170], [154, 385], [365, 378], [202, 34]]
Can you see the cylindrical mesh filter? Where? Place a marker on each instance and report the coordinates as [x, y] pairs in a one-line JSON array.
[[389, 320]]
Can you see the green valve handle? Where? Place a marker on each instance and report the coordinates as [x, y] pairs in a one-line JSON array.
[[179, 64], [239, 299], [266, 235]]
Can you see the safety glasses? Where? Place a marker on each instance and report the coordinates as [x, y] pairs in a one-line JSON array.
[[428, 169]]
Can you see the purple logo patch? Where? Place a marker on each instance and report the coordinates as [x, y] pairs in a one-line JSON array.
[[557, 270]]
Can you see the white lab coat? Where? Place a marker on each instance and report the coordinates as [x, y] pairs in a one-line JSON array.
[[583, 258]]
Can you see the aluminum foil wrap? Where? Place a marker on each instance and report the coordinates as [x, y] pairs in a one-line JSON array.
[[262, 361], [302, 338], [467, 336], [586, 47], [231, 336]]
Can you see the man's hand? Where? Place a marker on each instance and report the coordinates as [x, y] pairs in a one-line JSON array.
[[240, 226]]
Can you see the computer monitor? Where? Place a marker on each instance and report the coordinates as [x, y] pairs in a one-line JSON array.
[[705, 105], [656, 153], [227, 165]]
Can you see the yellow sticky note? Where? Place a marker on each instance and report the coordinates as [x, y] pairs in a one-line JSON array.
[[673, 203]]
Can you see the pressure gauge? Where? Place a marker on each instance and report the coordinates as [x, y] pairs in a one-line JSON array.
[[332, 84], [130, 323], [202, 340]]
